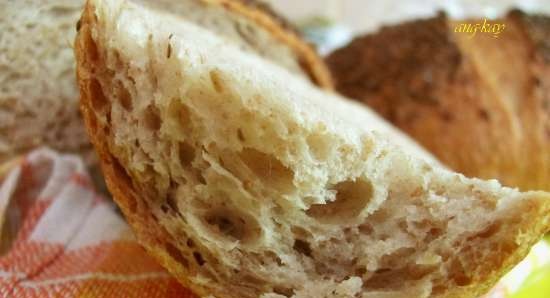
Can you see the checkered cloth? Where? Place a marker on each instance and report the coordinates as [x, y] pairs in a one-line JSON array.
[[68, 241]]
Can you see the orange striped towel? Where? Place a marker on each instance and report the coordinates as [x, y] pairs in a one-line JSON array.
[[69, 241]]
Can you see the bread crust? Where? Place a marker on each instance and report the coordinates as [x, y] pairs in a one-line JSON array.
[[310, 61], [480, 104]]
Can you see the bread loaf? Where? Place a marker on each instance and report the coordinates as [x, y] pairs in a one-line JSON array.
[[480, 103], [244, 180], [38, 93]]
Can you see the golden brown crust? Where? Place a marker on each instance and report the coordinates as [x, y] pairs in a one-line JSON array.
[[480, 104], [263, 16], [263, 7]]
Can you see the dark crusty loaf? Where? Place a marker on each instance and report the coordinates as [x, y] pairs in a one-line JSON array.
[[481, 104], [246, 181], [38, 92]]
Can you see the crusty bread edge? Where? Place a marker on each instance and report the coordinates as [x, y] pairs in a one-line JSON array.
[[149, 233], [308, 58]]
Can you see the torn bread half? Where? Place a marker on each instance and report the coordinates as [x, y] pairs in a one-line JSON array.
[[245, 181]]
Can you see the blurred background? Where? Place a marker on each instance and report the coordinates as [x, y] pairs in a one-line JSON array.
[[349, 17]]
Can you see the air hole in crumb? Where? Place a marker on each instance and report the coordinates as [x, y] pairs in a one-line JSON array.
[[232, 224], [172, 201], [190, 243], [108, 118], [384, 236], [300, 232], [417, 272], [351, 198], [198, 257], [380, 215], [91, 47], [226, 226], [403, 226], [184, 115], [186, 154], [302, 247], [169, 50], [366, 229], [124, 97], [217, 81], [360, 271], [176, 254], [240, 135], [151, 118], [458, 274], [201, 179], [269, 169], [132, 80], [283, 291], [433, 233], [99, 101], [490, 230], [386, 277], [274, 257]]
